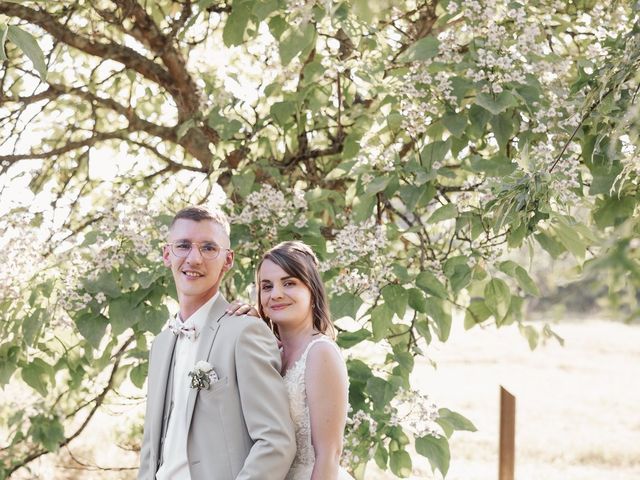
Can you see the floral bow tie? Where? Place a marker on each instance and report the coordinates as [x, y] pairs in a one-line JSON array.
[[179, 328]]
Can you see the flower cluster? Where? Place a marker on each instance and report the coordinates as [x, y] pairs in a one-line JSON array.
[[270, 209], [358, 251], [414, 411], [358, 446]]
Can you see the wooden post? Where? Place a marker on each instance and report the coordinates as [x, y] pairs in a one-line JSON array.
[[507, 435]]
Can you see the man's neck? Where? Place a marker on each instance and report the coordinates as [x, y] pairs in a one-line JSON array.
[[190, 305]]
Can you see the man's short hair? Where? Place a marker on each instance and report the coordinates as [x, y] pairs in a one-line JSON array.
[[199, 214]]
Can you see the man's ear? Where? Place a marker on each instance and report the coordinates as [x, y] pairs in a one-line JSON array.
[[166, 256], [228, 261]]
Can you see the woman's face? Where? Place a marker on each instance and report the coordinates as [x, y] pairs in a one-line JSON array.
[[284, 299]]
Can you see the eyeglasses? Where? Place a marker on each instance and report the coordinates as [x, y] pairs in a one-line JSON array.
[[208, 250]]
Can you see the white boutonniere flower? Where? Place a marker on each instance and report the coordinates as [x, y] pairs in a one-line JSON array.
[[202, 375]]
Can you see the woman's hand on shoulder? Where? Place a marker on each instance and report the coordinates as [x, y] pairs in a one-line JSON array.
[[238, 307]]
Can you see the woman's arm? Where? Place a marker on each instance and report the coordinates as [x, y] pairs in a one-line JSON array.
[[327, 395]]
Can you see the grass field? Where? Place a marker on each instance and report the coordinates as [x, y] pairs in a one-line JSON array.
[[577, 412], [577, 408]]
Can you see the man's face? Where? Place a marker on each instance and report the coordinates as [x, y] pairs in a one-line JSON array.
[[197, 279]]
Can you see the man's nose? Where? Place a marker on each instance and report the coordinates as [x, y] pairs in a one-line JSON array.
[[194, 255]]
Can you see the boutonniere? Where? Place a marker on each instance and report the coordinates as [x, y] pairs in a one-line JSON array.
[[203, 375]]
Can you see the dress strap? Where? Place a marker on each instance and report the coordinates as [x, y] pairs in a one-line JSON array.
[[322, 339]]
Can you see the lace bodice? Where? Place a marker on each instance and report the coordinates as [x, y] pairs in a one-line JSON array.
[[294, 380]]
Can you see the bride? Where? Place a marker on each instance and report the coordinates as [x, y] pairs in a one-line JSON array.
[[292, 300]]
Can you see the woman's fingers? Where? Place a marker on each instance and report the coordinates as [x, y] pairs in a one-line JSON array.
[[240, 308]]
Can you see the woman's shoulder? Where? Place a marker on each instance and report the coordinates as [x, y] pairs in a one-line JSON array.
[[323, 352]]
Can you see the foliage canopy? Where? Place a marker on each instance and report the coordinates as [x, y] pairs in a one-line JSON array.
[[411, 143]]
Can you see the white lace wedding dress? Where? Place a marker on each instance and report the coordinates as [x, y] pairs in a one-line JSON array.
[[294, 380]]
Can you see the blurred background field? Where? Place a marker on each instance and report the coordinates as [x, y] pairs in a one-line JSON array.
[[576, 408]]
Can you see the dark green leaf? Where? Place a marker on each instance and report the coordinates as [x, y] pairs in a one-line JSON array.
[[396, 297], [423, 49], [347, 340], [428, 282], [139, 373], [446, 212], [417, 301], [30, 47], [436, 450], [400, 463], [283, 112], [381, 321], [496, 104], [37, 375], [477, 312], [92, 327], [233, 32], [497, 298], [345, 305]]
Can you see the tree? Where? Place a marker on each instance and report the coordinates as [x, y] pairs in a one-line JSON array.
[[410, 143]]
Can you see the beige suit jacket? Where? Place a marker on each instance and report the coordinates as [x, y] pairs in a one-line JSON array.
[[240, 428]]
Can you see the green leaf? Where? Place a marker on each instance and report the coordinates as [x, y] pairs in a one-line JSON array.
[[446, 212], [477, 312], [47, 431], [381, 321], [435, 152], [294, 41], [347, 340], [550, 244], [396, 298], [381, 456], [417, 301], [263, 8], [36, 374], [233, 32], [283, 112], [377, 185], [3, 38], [92, 327], [423, 49], [441, 318], [452, 421], [570, 239], [28, 44], [497, 298], [139, 373], [502, 126], [123, 314], [526, 282], [400, 463], [436, 450], [458, 272], [151, 318], [380, 391], [428, 282], [531, 334], [456, 123], [496, 104], [345, 305]]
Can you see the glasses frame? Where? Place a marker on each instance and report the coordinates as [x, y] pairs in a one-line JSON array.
[[199, 245]]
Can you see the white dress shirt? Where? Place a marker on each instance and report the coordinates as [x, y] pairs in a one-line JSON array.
[[175, 464]]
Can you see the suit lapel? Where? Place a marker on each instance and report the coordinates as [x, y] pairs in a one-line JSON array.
[[158, 380], [208, 336]]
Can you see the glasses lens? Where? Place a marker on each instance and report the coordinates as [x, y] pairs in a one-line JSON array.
[[181, 249], [209, 250]]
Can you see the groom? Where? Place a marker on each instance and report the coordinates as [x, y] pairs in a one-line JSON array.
[[228, 418]]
